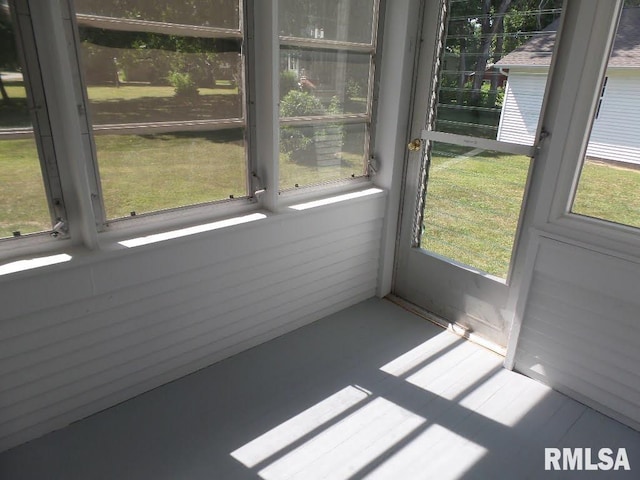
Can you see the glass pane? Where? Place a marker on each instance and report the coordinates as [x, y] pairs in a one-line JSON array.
[[146, 173], [23, 204], [148, 77], [609, 186], [495, 61], [494, 68], [473, 204], [321, 79], [321, 153], [323, 83], [208, 13], [343, 20], [144, 79]]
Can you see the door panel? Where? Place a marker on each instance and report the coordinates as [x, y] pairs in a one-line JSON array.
[[464, 186]]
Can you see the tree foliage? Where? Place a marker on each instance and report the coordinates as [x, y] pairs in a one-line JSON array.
[[481, 32]]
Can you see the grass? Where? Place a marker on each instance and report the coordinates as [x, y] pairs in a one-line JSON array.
[[473, 204], [149, 173]]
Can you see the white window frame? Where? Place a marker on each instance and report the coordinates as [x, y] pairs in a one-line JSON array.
[[576, 86], [55, 50]]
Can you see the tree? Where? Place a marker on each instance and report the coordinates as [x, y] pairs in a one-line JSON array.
[[482, 32]]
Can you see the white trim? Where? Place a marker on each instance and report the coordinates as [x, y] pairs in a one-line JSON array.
[[477, 142], [323, 44], [267, 92], [167, 28]]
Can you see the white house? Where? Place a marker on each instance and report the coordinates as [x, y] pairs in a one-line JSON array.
[[616, 132]]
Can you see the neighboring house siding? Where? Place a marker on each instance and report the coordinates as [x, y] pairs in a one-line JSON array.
[[615, 131], [521, 107]]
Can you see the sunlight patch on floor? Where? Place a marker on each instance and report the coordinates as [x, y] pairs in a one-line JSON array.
[[297, 427], [347, 446], [417, 356], [429, 455]]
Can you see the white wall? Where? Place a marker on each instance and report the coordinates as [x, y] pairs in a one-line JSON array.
[[78, 337], [580, 333], [614, 135]]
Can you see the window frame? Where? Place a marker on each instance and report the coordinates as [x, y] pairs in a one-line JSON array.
[[367, 119], [70, 154], [41, 129], [574, 131]]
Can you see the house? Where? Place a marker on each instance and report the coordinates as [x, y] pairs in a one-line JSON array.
[[614, 136], [287, 324]]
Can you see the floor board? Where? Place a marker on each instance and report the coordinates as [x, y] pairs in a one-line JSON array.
[[370, 392]]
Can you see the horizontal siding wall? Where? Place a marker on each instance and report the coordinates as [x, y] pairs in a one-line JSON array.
[[615, 131], [78, 338], [581, 328], [521, 108]]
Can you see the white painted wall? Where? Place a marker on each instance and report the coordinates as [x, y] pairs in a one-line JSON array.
[[79, 337], [615, 132], [581, 328]]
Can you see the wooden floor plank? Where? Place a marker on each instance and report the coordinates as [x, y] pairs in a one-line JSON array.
[[369, 392]]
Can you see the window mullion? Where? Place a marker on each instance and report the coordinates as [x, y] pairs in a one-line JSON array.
[[264, 85], [65, 113]]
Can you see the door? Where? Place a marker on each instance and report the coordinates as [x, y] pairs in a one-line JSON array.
[[479, 89]]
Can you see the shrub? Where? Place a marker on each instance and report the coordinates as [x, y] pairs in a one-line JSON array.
[[288, 82], [183, 84], [295, 141]]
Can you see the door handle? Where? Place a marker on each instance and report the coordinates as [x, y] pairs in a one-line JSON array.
[[415, 145]]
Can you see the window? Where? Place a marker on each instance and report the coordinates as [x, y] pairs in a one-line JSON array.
[[165, 82], [157, 107], [327, 52], [24, 208], [609, 183]]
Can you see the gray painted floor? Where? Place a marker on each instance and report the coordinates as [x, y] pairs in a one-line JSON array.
[[370, 392]]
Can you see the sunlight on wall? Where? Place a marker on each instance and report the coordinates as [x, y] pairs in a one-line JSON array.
[[183, 232], [22, 265]]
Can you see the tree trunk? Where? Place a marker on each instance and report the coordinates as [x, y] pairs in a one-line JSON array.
[[5, 96], [462, 71], [488, 34]]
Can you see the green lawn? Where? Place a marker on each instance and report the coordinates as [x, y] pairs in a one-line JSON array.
[[149, 173], [473, 204]]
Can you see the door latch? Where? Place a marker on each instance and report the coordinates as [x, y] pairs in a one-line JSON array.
[[415, 145]]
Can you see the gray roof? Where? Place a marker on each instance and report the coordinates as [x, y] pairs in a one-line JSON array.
[[538, 50]]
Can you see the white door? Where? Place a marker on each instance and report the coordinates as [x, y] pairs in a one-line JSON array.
[[464, 185]]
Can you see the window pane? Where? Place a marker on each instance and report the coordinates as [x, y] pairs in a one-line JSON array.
[[208, 13], [320, 153], [23, 204], [342, 20], [146, 173], [609, 186], [326, 68], [323, 83], [492, 79], [494, 69], [166, 101], [473, 204]]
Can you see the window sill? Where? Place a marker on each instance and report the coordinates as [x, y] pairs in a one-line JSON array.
[[156, 230]]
